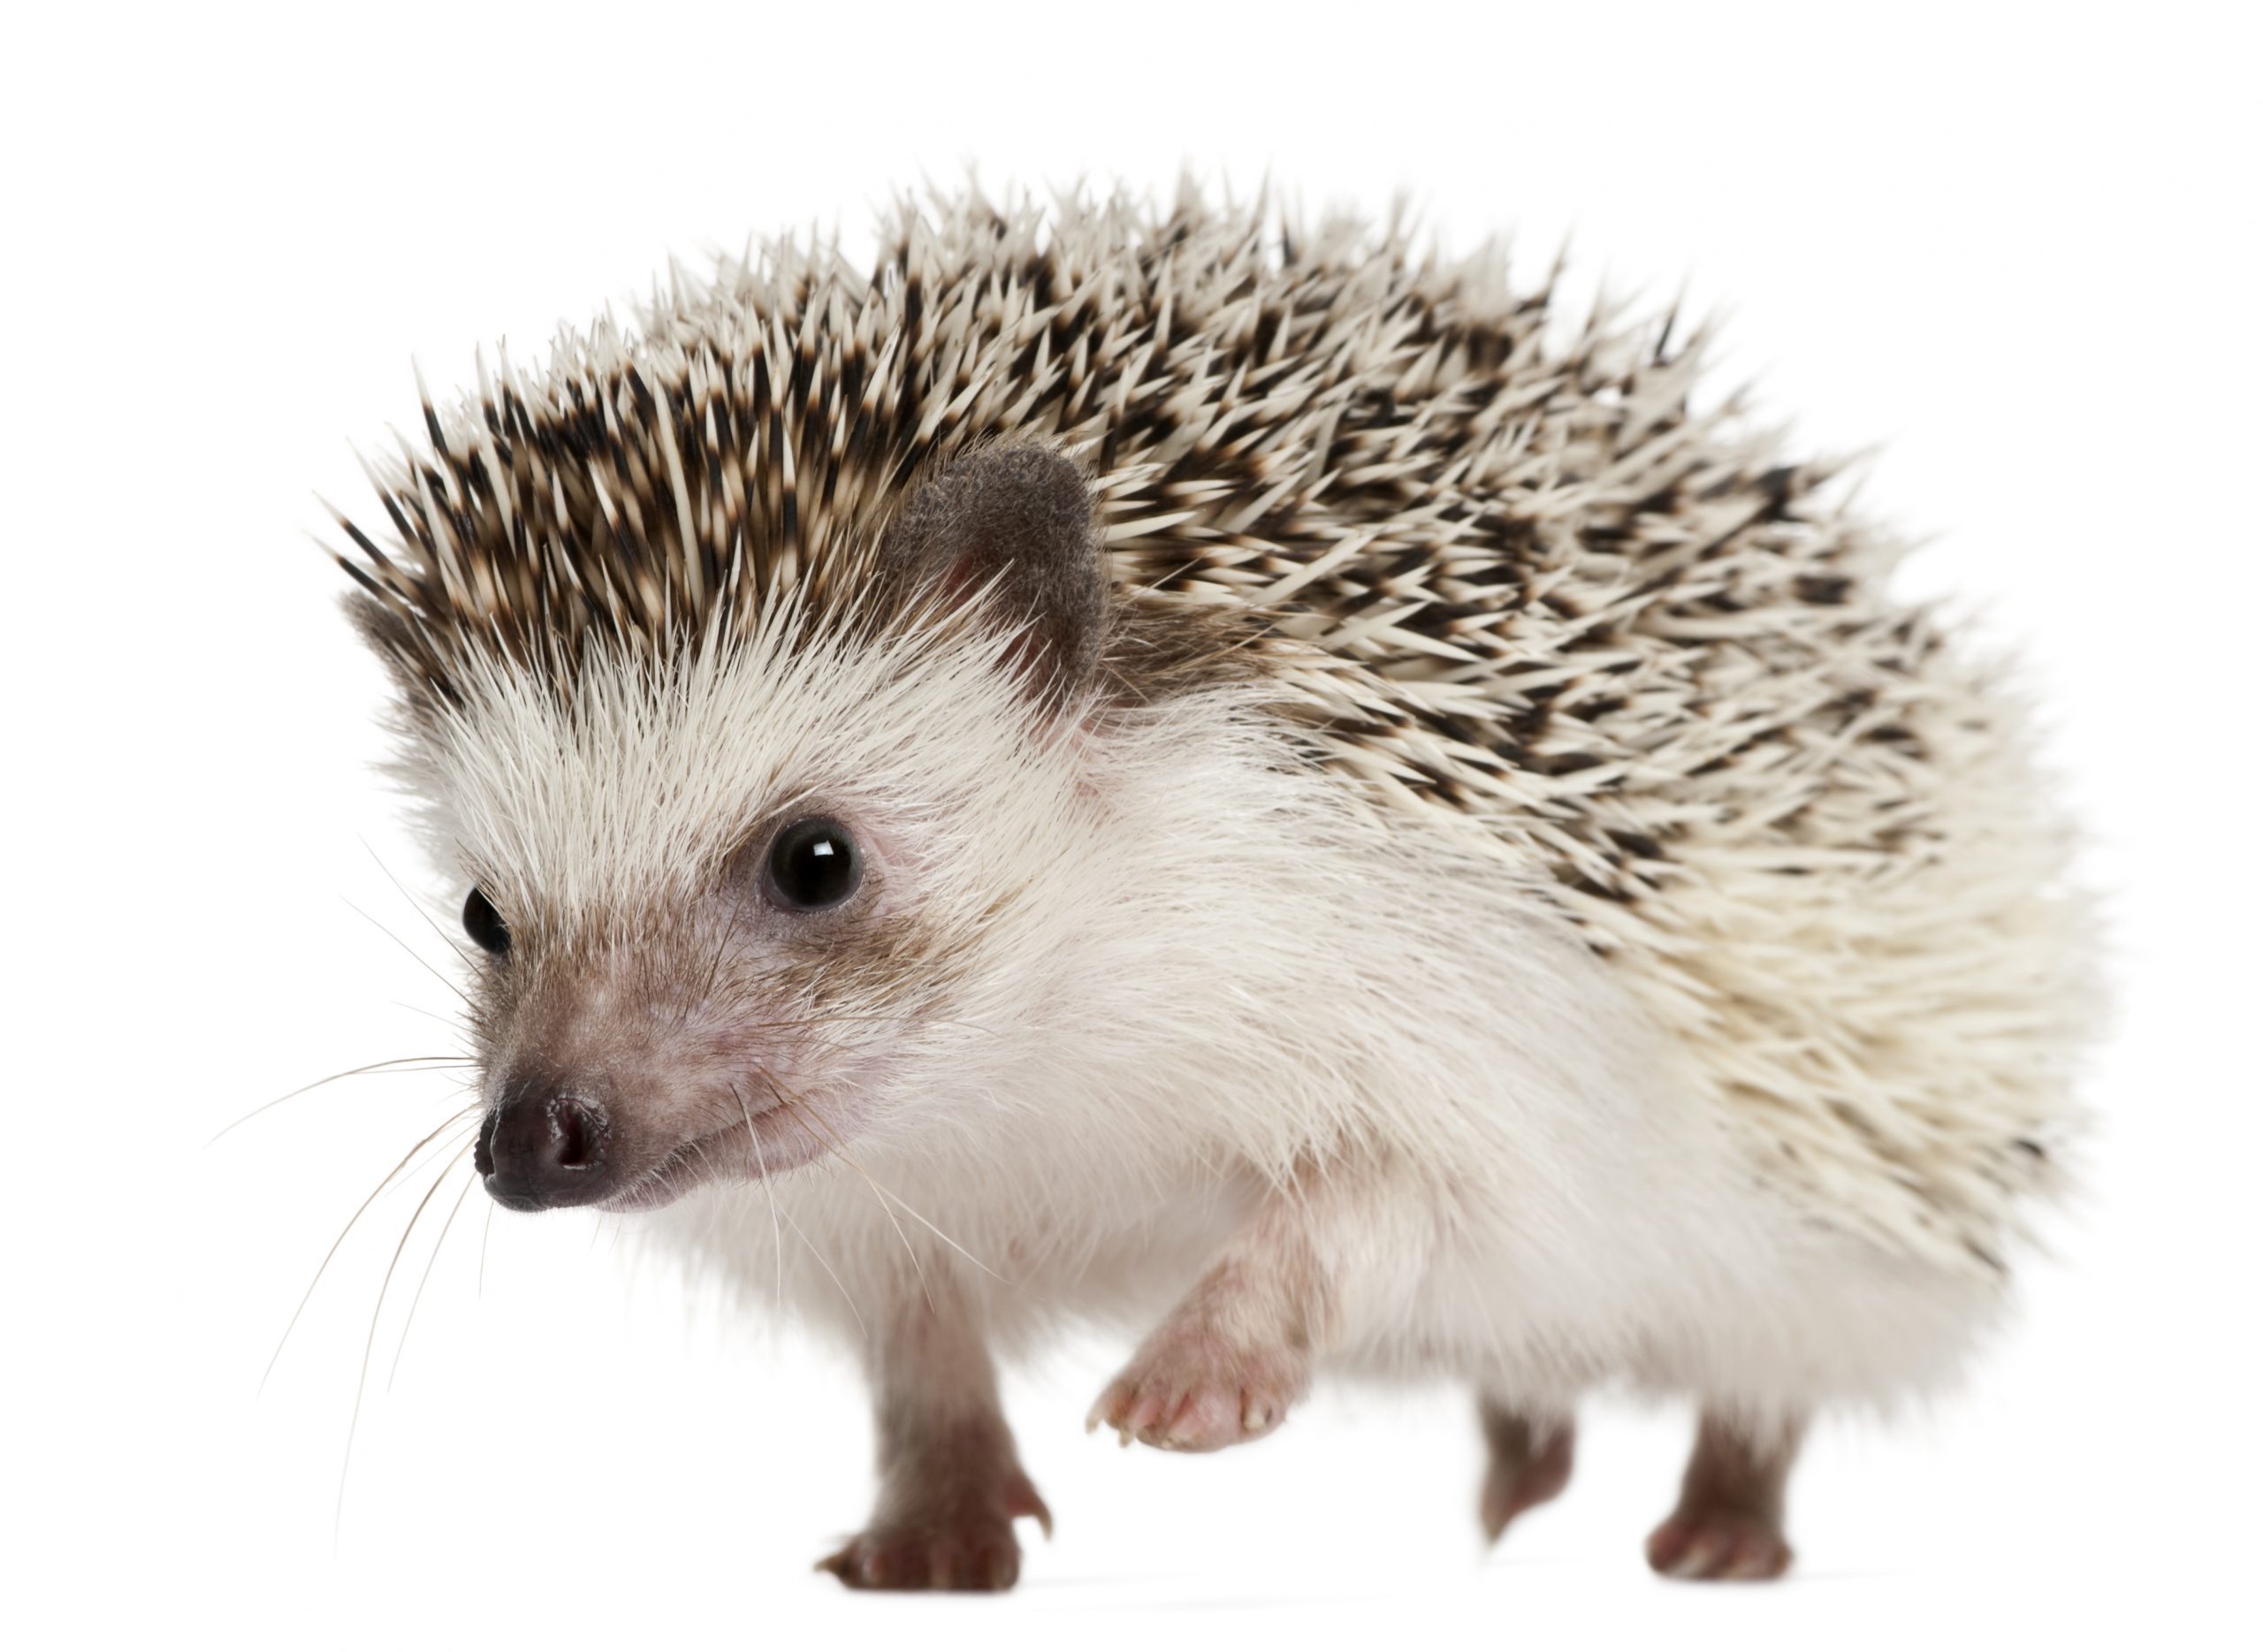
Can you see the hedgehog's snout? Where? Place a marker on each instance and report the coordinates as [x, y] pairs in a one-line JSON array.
[[543, 1150]]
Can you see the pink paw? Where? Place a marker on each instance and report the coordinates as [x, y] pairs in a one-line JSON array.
[[1718, 1544], [1189, 1388]]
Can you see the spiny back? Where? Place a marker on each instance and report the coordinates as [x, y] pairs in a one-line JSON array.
[[1483, 545], [1491, 562]]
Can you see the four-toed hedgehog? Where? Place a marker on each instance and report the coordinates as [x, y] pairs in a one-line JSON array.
[[1153, 767]]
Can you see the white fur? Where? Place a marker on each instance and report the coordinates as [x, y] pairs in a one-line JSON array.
[[1219, 968]]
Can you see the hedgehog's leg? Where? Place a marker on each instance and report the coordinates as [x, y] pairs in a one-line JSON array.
[[1730, 1521], [951, 1486], [1531, 1461], [1297, 1279]]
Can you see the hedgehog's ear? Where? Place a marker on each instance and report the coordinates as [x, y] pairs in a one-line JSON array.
[[1015, 522]]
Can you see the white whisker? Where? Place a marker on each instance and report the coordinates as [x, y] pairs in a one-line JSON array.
[[328, 1255], [409, 1324]]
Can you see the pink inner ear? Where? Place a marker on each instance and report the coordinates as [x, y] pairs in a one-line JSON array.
[[1012, 526], [1030, 655]]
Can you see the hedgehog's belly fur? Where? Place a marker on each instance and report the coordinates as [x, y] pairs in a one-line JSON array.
[[1758, 1318]]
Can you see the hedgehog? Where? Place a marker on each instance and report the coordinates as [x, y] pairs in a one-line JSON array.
[[1151, 766]]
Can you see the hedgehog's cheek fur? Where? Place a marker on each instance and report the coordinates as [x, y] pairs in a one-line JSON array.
[[674, 1106], [683, 1061], [769, 1141]]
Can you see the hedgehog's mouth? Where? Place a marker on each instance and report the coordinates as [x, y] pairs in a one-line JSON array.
[[749, 1148]]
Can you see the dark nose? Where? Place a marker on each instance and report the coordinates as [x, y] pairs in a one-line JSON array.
[[543, 1151]]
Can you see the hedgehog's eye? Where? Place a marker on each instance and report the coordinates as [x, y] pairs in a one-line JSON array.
[[484, 925], [813, 864]]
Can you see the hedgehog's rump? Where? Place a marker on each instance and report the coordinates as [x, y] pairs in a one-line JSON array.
[[1485, 568]]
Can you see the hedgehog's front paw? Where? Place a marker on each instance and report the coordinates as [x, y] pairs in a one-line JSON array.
[[1192, 1388], [963, 1538]]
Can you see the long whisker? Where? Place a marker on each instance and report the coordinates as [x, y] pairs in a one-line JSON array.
[[486, 1230], [409, 1324], [330, 1255], [411, 1063], [416, 906], [425, 962], [841, 1153], [777, 1238], [919, 1272], [901, 1204], [449, 1022], [819, 1256], [362, 1387]]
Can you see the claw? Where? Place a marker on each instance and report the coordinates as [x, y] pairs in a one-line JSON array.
[[968, 1544], [1189, 1388]]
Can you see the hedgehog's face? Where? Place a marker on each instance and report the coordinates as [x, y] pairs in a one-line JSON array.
[[735, 909], [730, 1024]]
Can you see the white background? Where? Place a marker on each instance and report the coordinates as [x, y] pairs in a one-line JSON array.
[[2015, 245]]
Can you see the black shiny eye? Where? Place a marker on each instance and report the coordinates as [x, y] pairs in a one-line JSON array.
[[813, 864], [484, 925]]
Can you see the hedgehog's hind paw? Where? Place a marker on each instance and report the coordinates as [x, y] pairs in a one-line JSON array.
[[1531, 1463], [1729, 1523], [1720, 1544]]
